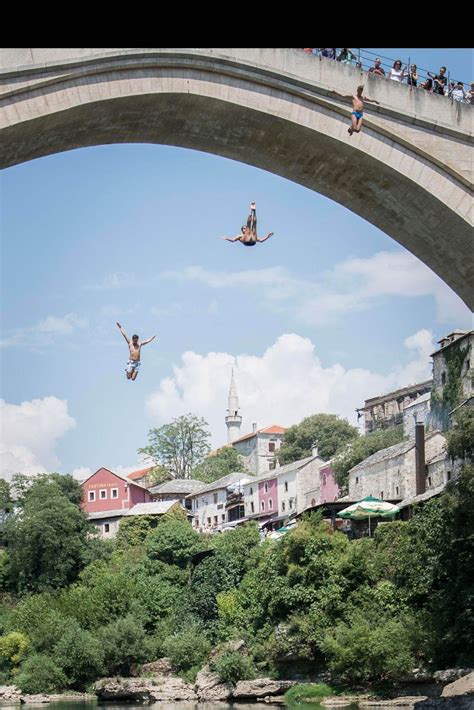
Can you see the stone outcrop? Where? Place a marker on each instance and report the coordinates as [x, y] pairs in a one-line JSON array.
[[145, 690], [209, 687], [35, 699], [9, 692], [408, 702], [162, 666], [261, 688], [462, 686]]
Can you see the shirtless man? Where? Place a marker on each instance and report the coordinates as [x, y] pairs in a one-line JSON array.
[[135, 348], [249, 233], [357, 108]]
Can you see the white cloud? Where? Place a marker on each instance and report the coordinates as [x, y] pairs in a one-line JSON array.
[[42, 333], [117, 280], [81, 473], [29, 435], [285, 384], [352, 285]]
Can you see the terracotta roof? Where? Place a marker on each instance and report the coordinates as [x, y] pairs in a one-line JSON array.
[[273, 429], [135, 475]]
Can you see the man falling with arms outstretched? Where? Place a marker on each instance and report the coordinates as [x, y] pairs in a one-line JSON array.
[[357, 108], [135, 347], [249, 233]]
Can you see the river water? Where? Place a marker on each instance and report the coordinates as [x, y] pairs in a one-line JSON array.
[[92, 705]]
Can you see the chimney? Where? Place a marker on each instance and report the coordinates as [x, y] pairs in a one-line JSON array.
[[420, 474], [254, 427], [314, 450]]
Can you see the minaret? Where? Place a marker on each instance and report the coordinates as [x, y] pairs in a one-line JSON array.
[[233, 419]]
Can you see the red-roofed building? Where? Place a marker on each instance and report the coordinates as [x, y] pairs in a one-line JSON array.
[[106, 490], [259, 449]]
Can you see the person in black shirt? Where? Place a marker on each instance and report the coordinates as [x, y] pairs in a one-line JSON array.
[[439, 81]]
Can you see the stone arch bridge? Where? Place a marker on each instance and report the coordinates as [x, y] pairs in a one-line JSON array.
[[409, 172]]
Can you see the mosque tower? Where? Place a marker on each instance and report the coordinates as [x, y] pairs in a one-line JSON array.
[[233, 419]]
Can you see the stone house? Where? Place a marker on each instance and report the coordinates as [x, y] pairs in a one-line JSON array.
[[386, 411], [106, 490], [107, 522], [454, 355], [218, 502], [259, 449], [177, 489]]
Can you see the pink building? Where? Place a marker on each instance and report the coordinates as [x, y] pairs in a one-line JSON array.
[[268, 496], [109, 491], [329, 490]]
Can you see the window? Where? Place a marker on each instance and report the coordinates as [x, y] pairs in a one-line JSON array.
[[252, 507], [291, 502], [357, 480], [223, 518], [196, 503], [251, 491], [443, 378], [271, 446], [266, 487], [270, 504], [429, 480], [283, 507], [91, 496], [215, 519], [324, 479], [208, 521], [103, 494], [272, 465], [106, 527], [396, 490], [449, 475], [468, 365], [262, 505], [286, 486], [313, 501], [381, 495], [214, 498], [114, 493]]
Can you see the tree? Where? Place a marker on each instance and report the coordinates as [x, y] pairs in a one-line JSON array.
[[327, 431], [461, 436], [214, 466], [179, 446], [173, 542], [359, 449], [47, 538]]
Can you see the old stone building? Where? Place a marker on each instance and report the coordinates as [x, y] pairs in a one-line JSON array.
[[453, 376], [387, 410], [259, 449]]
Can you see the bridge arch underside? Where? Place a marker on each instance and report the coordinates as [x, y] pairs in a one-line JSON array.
[[326, 161]]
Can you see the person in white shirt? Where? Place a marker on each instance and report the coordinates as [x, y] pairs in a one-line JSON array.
[[396, 73]]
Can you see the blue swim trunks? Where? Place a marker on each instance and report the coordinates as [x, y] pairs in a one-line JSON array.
[[132, 366], [357, 114]]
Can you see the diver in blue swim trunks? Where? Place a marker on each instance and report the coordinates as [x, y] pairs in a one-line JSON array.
[[357, 114], [135, 347], [249, 232]]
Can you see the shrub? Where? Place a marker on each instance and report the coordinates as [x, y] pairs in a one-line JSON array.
[[188, 649], [40, 674], [124, 643], [79, 655], [232, 667], [303, 691]]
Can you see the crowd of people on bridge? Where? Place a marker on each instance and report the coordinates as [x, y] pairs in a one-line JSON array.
[[434, 83]]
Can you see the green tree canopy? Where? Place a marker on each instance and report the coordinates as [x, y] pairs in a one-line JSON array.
[[461, 436], [327, 431], [360, 448], [179, 446], [47, 538], [225, 461]]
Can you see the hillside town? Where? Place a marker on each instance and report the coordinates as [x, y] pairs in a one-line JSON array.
[[275, 496]]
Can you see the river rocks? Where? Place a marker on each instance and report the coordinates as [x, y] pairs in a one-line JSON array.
[[144, 690], [9, 692], [409, 701], [209, 687], [462, 686], [451, 674], [456, 702], [162, 666], [36, 699], [340, 701], [261, 688]]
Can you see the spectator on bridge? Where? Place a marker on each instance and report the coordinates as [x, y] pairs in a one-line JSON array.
[[396, 73], [428, 85], [377, 69], [458, 93], [329, 53], [346, 56], [449, 89], [412, 76], [440, 80], [470, 94]]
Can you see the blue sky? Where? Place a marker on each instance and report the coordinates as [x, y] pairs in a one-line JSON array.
[[311, 319]]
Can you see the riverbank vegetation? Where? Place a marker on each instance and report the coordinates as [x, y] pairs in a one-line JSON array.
[[74, 608]]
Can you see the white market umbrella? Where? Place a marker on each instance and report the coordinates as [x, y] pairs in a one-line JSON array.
[[369, 507]]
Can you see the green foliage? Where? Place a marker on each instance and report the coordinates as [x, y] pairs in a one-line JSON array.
[[215, 466], [47, 538], [69, 486], [232, 667], [461, 437], [13, 649], [173, 542], [308, 691], [79, 654], [179, 446], [359, 449], [188, 649], [133, 530], [124, 643], [40, 674], [326, 430]]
